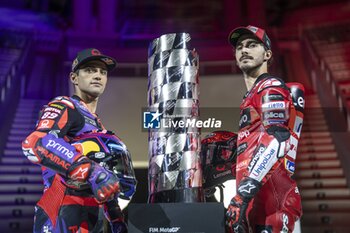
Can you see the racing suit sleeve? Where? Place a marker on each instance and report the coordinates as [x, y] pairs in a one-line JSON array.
[[48, 146], [274, 105]]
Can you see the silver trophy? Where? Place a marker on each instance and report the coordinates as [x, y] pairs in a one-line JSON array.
[[175, 173]]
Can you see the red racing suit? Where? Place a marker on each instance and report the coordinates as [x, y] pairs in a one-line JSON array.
[[68, 205], [271, 117]]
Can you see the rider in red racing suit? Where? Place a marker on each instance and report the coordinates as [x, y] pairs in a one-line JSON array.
[[271, 117], [75, 187]]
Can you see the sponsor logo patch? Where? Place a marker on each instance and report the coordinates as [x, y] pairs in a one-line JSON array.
[[245, 118], [274, 105], [54, 158], [243, 134], [51, 109], [289, 165], [56, 106], [274, 115], [241, 148], [262, 166], [272, 97], [45, 124], [300, 102], [90, 121], [259, 151], [60, 148], [242, 164]]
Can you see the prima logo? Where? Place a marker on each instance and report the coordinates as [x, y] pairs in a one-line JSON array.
[[60, 148]]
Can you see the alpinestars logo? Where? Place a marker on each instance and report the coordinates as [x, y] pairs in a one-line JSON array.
[[246, 188], [80, 174]]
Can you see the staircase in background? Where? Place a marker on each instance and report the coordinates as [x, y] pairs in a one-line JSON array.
[[20, 180], [323, 186]]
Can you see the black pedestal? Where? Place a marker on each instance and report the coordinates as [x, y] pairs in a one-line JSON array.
[[176, 217], [186, 195]]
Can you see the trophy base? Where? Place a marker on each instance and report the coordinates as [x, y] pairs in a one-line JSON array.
[[178, 196], [176, 217]]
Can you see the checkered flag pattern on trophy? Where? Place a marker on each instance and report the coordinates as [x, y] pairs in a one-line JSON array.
[[175, 174]]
